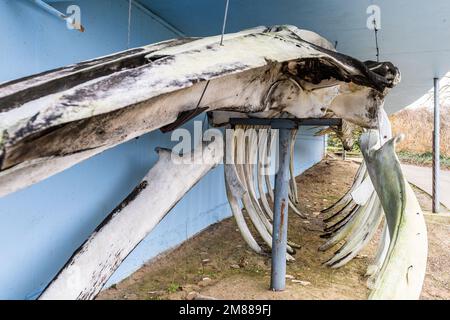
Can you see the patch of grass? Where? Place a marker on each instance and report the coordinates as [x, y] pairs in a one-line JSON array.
[[254, 270], [423, 159], [173, 287]]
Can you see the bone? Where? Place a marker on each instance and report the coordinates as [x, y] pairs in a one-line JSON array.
[[343, 221], [269, 187], [347, 197], [360, 218], [44, 132], [235, 190], [385, 133], [239, 217], [52, 121], [344, 211], [358, 226], [402, 273], [249, 168], [243, 154], [261, 224], [292, 183], [270, 146], [362, 193], [253, 155], [359, 239], [294, 209], [261, 172], [375, 266], [95, 261], [16, 93]]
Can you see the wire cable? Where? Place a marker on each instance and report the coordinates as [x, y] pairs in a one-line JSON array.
[[224, 21], [130, 2], [376, 39]]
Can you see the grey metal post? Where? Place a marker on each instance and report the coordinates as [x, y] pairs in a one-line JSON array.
[[436, 150], [280, 219]]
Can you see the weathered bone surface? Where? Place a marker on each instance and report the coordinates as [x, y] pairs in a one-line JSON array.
[[403, 271], [87, 271], [246, 161], [359, 213], [347, 197], [398, 269], [362, 193], [377, 263], [54, 120]]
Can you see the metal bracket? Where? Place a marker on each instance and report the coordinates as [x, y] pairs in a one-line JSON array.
[[281, 123]]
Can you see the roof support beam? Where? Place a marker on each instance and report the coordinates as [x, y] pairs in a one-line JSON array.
[[157, 18]]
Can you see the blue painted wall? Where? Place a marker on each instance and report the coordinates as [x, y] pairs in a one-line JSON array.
[[41, 226], [32, 40]]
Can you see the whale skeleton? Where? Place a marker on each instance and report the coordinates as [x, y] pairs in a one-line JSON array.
[[402, 272], [87, 271], [56, 119], [249, 151], [53, 120], [398, 270]]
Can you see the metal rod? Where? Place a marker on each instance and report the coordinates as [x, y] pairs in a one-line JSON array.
[[436, 149], [57, 13], [130, 2], [280, 209], [224, 22], [286, 123]]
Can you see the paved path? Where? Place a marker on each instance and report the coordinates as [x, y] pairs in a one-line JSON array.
[[422, 178]]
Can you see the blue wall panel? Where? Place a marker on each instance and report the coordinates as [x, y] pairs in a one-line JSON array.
[[32, 40], [42, 225]]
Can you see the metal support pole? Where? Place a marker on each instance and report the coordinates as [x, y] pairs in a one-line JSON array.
[[280, 220], [436, 149]]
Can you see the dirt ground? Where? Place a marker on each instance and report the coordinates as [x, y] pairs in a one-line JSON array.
[[217, 263]]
